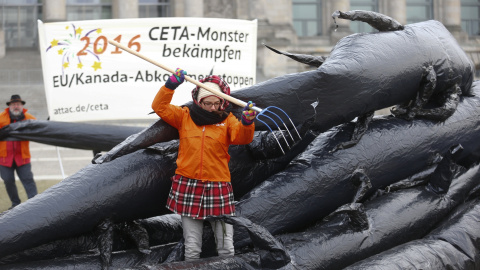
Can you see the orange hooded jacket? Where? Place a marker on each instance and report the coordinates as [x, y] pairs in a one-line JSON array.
[[5, 120], [203, 152]]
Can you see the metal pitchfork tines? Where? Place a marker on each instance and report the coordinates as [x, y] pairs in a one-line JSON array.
[[270, 112], [263, 113]]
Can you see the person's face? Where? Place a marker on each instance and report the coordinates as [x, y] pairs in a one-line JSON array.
[[211, 104], [16, 108]]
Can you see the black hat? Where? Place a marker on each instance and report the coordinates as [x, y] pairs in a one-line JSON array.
[[15, 98]]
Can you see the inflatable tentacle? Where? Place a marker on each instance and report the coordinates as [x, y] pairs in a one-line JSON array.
[[376, 20], [409, 110], [276, 255], [310, 60], [446, 171], [429, 82], [157, 132], [161, 230], [120, 260], [451, 245], [451, 100], [105, 241], [138, 234], [360, 128], [356, 215], [360, 179], [415, 180]]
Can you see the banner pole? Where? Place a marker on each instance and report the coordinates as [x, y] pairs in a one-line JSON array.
[[60, 162]]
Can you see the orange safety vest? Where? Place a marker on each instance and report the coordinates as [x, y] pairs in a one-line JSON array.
[[5, 120], [203, 152]]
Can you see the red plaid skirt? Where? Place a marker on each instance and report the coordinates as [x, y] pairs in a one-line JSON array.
[[199, 199]]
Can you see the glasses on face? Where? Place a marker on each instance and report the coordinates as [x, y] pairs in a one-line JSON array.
[[209, 104]]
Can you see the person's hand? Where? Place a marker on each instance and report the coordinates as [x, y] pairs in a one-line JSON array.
[[176, 79], [248, 115]]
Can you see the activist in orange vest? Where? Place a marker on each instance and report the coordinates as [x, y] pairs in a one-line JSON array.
[[201, 186], [15, 155]]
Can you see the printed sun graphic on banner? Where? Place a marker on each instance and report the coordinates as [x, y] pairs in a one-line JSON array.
[[79, 50]]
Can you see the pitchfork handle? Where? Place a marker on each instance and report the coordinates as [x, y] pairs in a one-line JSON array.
[[188, 78]]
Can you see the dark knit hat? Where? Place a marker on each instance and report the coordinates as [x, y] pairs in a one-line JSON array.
[[15, 98]]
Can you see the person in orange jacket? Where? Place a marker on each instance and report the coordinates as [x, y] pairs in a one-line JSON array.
[[201, 185], [15, 155]]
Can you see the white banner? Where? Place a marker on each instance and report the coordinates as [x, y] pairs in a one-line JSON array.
[[87, 79]]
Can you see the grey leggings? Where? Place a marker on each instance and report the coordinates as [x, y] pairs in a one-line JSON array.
[[193, 231]]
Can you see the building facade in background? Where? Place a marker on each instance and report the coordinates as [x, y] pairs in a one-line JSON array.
[[297, 26]]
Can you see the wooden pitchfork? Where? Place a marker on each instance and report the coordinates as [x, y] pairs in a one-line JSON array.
[[262, 113]]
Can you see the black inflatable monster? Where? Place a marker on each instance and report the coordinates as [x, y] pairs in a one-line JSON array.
[[411, 66]]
